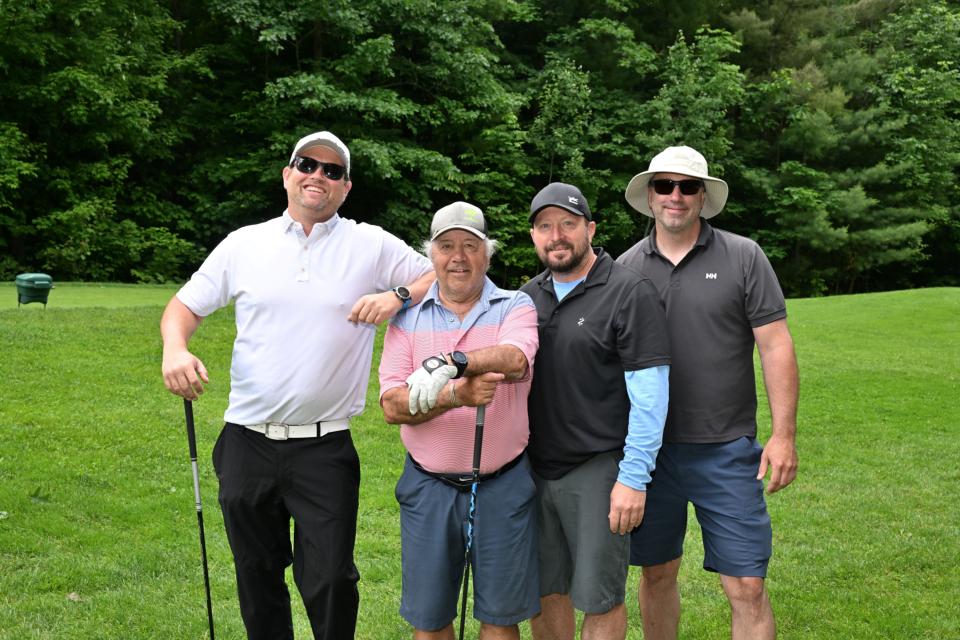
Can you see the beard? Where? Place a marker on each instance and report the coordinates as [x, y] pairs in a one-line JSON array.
[[576, 257]]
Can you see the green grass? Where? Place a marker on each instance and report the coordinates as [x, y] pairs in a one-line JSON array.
[[98, 534], [72, 295]]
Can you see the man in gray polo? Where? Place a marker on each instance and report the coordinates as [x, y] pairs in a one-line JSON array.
[[721, 297]]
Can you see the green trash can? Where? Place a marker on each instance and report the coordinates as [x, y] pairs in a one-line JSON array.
[[33, 287]]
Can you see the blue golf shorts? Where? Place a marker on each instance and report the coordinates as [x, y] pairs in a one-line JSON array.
[[721, 482], [433, 536]]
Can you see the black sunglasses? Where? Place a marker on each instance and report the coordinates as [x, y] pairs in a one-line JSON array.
[[665, 187], [309, 165]]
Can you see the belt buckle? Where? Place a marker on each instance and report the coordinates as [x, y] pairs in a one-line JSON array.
[[277, 431]]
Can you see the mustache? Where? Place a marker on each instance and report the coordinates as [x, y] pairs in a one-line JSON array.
[[559, 244]]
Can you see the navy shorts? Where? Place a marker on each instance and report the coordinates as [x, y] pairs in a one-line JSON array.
[[433, 535], [721, 482]]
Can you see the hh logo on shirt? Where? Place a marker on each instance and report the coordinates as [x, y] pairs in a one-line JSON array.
[[711, 276]]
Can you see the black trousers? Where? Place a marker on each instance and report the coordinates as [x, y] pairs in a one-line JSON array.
[[263, 484]]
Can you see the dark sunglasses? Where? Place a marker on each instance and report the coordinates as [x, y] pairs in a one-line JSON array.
[[308, 165], [687, 187]]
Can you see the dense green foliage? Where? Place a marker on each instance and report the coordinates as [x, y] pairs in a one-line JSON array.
[[134, 134]]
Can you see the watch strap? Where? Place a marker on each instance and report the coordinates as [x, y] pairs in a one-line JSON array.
[[405, 301]]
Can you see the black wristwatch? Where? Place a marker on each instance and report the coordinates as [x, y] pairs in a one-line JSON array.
[[433, 363], [459, 360], [404, 294]]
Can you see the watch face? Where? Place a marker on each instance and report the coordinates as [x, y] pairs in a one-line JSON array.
[[402, 292], [459, 359]]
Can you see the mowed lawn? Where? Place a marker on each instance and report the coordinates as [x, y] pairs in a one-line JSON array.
[[98, 531]]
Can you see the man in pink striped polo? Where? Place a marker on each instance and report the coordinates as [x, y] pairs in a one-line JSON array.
[[468, 343]]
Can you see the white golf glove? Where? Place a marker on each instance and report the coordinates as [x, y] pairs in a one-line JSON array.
[[425, 387]]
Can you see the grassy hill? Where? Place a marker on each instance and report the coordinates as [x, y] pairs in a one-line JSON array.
[[98, 534]]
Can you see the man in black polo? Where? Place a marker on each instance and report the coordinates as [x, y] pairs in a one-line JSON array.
[[721, 297], [597, 407]]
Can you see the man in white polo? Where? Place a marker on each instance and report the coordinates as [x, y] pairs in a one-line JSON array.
[[309, 286]]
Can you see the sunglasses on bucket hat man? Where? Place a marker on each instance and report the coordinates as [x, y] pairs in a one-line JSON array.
[[330, 170], [665, 187]]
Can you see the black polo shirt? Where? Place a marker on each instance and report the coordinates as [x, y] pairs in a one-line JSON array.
[[612, 322], [714, 298]]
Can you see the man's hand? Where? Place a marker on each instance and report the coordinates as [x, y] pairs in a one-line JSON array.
[[478, 390], [626, 508], [425, 386], [375, 308], [780, 455], [184, 374]]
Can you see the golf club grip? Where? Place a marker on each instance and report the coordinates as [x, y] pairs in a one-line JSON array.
[[191, 431], [478, 439]]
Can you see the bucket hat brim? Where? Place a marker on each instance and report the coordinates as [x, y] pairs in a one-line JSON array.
[[685, 161]]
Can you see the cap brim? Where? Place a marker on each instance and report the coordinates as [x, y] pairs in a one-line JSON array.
[[559, 205], [475, 232], [321, 143]]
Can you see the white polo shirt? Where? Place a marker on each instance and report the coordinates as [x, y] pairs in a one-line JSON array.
[[296, 357]]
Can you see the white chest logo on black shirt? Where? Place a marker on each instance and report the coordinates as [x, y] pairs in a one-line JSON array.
[[580, 322], [711, 276]]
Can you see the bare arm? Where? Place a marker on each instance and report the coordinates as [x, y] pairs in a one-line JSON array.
[[183, 373], [782, 379], [375, 308], [467, 392], [504, 358]]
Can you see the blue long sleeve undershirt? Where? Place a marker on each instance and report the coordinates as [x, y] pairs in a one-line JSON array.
[[649, 391]]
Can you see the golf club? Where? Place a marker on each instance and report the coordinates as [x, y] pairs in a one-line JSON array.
[[477, 447], [192, 441]]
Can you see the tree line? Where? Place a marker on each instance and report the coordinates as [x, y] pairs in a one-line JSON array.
[[134, 134]]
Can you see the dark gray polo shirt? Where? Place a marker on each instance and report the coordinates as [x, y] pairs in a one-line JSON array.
[[610, 323], [714, 298]]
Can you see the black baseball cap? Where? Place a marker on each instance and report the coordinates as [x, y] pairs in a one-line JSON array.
[[563, 195]]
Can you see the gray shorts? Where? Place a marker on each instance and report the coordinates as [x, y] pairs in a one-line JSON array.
[[579, 555]]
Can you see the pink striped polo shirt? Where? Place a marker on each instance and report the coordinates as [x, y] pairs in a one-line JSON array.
[[500, 317]]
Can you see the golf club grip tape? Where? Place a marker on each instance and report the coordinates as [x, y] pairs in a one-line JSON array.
[[191, 431], [478, 441]]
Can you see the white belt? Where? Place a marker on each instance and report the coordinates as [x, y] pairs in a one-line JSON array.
[[281, 431]]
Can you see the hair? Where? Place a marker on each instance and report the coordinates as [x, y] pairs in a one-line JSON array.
[[491, 247]]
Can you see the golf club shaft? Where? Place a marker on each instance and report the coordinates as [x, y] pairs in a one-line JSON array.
[[477, 450], [192, 443], [463, 598]]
